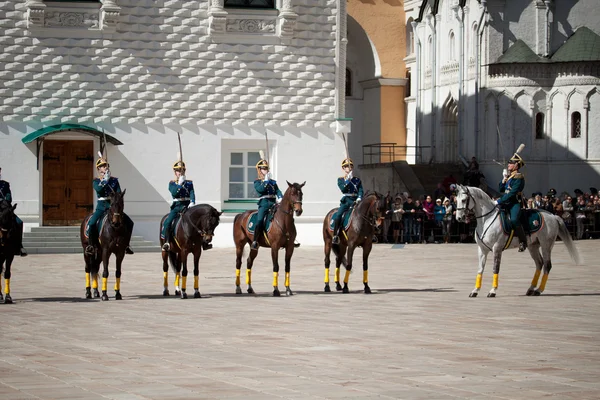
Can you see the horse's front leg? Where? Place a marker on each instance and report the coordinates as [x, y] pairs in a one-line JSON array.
[[482, 259], [183, 255], [327, 264], [119, 260], [88, 280], [497, 259], [7, 275], [197, 254], [165, 257], [105, 257], [239, 252], [249, 264], [366, 251], [339, 260], [351, 248], [289, 250], [275, 259]]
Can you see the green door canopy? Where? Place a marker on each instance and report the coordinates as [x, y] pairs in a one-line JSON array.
[[49, 130]]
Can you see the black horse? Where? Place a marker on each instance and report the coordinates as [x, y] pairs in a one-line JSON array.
[[9, 244], [193, 233], [366, 217], [114, 238]]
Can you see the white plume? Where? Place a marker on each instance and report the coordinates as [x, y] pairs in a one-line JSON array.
[[520, 148], [99, 154], [262, 154]]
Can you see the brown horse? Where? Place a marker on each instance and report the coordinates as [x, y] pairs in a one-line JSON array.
[[366, 217], [192, 234], [9, 244], [113, 238], [281, 235]]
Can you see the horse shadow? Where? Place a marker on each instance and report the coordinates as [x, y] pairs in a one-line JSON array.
[[53, 300]]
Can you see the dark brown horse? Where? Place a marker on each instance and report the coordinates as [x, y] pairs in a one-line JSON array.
[[366, 217], [113, 238], [281, 235], [193, 233], [9, 244]]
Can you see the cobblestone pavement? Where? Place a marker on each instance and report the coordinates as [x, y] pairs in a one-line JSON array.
[[418, 336]]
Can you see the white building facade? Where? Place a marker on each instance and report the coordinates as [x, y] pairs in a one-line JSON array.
[[139, 71], [490, 75]]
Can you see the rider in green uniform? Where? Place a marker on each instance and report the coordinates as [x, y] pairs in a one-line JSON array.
[[269, 193], [512, 186], [104, 185], [5, 194], [351, 187], [183, 195]]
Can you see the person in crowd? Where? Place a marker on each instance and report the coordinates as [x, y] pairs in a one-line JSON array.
[[439, 192], [428, 218], [397, 211], [448, 217], [418, 223], [408, 219], [580, 217], [439, 211]]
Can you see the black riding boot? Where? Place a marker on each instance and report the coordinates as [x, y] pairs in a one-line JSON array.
[[336, 233], [128, 250], [90, 249], [522, 238], [166, 246], [257, 232]]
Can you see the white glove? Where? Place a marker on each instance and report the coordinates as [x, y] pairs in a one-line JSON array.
[[349, 175], [107, 174], [278, 200], [268, 176], [358, 200], [181, 180], [504, 173], [192, 204]]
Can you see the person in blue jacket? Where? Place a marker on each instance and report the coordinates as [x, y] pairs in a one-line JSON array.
[[269, 193], [182, 191], [512, 185], [5, 194], [104, 185], [351, 187]]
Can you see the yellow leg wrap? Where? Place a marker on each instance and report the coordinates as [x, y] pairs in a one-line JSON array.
[[165, 279], [543, 284], [275, 279], [346, 276], [183, 282], [7, 286], [337, 275], [95, 282], [287, 279], [177, 276], [195, 282], [104, 284], [536, 276], [118, 284], [478, 281], [495, 281], [248, 276], [326, 275], [365, 276], [237, 277], [87, 280]]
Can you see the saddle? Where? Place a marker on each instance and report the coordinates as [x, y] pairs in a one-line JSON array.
[[345, 219], [531, 221], [99, 224], [251, 224]]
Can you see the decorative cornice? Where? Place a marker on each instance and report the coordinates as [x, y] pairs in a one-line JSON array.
[[545, 75], [250, 26]]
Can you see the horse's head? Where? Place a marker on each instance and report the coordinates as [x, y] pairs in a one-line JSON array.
[[464, 202], [7, 220], [374, 207], [117, 204], [209, 222], [293, 198]]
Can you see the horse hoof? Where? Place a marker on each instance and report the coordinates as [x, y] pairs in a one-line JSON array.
[[367, 289], [88, 293], [196, 295], [338, 287], [238, 290], [491, 295], [166, 293], [118, 296], [474, 294], [250, 290], [276, 293], [177, 293], [345, 289], [104, 297], [530, 292], [537, 293], [96, 293], [183, 295], [288, 292], [8, 299], [327, 289]]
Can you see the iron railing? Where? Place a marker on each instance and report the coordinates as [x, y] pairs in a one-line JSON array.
[[380, 153]]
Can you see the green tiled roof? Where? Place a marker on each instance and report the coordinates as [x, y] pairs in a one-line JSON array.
[[583, 45], [519, 53]]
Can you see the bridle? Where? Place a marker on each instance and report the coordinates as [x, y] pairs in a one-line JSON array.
[[469, 209], [200, 231], [292, 207], [375, 215]]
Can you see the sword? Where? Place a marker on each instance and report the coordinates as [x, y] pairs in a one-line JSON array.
[[267, 142], [180, 155]]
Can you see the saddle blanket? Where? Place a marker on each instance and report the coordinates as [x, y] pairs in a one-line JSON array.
[[345, 220], [174, 225], [99, 224], [251, 224], [532, 221]]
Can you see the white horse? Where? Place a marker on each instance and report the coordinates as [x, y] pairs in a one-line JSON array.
[[490, 237]]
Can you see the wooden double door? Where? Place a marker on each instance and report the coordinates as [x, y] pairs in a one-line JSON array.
[[67, 181]]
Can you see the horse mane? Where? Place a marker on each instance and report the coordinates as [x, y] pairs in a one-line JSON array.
[[480, 194]]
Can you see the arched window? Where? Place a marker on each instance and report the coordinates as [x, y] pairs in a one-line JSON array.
[[407, 90], [451, 50], [410, 39], [348, 82], [539, 125], [576, 125], [474, 41], [429, 52]]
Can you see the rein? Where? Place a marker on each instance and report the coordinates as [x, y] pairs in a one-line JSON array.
[[189, 220]]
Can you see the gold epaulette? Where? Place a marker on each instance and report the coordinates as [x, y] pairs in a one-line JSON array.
[[518, 175]]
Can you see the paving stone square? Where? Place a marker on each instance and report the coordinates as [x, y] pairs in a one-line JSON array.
[[417, 336]]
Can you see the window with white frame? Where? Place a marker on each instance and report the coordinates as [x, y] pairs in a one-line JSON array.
[[451, 48], [242, 174]]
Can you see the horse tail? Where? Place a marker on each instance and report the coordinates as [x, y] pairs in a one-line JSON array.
[[565, 236], [336, 251]]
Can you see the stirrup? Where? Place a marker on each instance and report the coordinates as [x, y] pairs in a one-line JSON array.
[[23, 252], [254, 245], [296, 244], [128, 250], [335, 239], [522, 246], [166, 246], [89, 250], [206, 246]]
